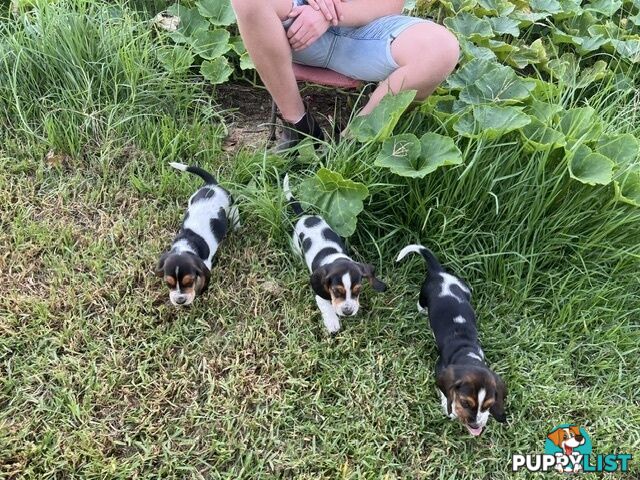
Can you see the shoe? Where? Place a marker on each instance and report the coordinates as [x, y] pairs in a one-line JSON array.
[[294, 133]]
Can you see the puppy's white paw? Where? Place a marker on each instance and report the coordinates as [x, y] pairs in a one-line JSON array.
[[332, 325]]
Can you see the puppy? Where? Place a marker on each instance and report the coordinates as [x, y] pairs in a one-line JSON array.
[[336, 279], [186, 267], [469, 390]]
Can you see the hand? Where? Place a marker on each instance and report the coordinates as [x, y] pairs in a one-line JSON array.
[[308, 26], [331, 9]]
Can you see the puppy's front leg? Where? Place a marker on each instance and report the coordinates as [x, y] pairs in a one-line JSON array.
[[329, 317]]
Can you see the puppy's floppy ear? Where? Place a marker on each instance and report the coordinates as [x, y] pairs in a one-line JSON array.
[[159, 271], [203, 274], [497, 409], [447, 382], [369, 272], [318, 282]]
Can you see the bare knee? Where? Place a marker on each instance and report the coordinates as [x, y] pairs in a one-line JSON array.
[[247, 10], [427, 46]]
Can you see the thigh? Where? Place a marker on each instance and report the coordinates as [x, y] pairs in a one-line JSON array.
[[365, 52], [426, 40]]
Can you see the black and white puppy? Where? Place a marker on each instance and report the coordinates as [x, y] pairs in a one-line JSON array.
[[469, 390], [336, 279], [186, 267]]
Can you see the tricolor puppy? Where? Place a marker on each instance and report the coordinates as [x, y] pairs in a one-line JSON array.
[[470, 391], [336, 279], [186, 267]]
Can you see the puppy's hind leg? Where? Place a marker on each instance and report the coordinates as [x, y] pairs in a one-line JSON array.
[[329, 317]]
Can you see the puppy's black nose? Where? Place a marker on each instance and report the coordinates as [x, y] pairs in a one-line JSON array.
[[347, 311], [579, 438], [180, 300]]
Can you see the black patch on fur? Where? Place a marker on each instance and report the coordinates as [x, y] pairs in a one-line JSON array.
[[322, 254], [306, 244], [195, 241], [332, 236], [203, 194], [219, 225], [311, 222]]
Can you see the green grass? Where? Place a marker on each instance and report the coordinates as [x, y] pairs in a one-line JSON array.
[[100, 378]]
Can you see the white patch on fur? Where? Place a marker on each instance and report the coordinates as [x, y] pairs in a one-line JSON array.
[[349, 301], [179, 166], [449, 281], [482, 417], [481, 353], [329, 317], [409, 249], [459, 319], [318, 242], [474, 356]]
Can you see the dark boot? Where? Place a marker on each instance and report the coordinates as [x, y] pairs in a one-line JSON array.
[[294, 133]]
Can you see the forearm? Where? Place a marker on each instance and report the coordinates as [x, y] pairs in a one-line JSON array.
[[360, 12]]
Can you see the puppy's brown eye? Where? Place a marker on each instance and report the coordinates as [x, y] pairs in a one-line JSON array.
[[187, 281], [338, 290], [356, 289], [171, 282]]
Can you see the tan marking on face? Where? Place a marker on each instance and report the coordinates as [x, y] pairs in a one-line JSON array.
[[171, 281], [187, 281], [355, 290]]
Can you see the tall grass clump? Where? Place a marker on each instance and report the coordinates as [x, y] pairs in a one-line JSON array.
[[80, 76]]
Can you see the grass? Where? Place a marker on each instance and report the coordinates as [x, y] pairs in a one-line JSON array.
[[100, 378]]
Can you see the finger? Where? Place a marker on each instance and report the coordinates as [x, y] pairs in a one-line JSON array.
[[313, 4], [339, 10], [298, 37], [294, 28], [305, 41], [295, 11], [325, 10], [333, 13]]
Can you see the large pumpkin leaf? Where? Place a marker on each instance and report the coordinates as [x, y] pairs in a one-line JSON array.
[[400, 154], [407, 156], [471, 51], [590, 168], [544, 112], [190, 22], [216, 71], [491, 121], [580, 124], [549, 6], [175, 59], [470, 73], [210, 44], [534, 54], [537, 136], [505, 26], [621, 149], [219, 12], [339, 199], [500, 85], [469, 26], [379, 124], [605, 7], [628, 49], [497, 8], [628, 189]]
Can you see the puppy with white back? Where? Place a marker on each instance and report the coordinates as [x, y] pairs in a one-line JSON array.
[[469, 389], [186, 267], [336, 278]]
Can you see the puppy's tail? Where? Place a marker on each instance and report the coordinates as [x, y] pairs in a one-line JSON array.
[[203, 174], [293, 203], [432, 262]]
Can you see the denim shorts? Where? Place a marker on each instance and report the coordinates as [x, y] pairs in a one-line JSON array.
[[363, 53]]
